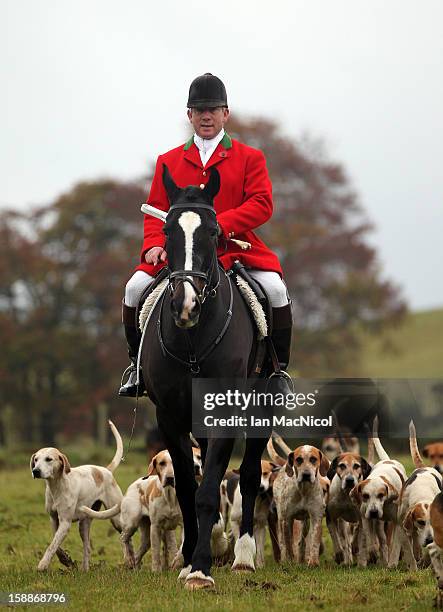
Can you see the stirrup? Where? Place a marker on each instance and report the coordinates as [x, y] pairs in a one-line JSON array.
[[286, 376], [131, 368]]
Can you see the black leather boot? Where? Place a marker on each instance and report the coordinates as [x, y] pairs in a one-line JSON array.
[[129, 388], [280, 381]]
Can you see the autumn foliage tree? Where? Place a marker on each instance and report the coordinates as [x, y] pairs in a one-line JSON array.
[[320, 232], [63, 269]]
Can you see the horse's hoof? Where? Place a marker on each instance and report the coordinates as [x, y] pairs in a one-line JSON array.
[[244, 552], [242, 567], [197, 581], [184, 573]]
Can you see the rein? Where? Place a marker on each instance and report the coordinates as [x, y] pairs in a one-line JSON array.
[[193, 362]]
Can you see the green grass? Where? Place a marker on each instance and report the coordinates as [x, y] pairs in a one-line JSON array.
[[25, 533], [417, 349]]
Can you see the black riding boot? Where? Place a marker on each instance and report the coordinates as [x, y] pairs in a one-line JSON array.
[[129, 389], [281, 382]]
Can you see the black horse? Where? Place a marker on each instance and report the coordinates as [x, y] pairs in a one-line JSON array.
[[201, 327]]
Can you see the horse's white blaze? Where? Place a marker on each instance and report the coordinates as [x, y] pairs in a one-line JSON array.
[[189, 222]]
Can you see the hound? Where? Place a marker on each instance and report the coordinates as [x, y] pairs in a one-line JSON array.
[[414, 529], [261, 511], [345, 472], [436, 547], [434, 452], [298, 495], [331, 446], [375, 498], [69, 489]]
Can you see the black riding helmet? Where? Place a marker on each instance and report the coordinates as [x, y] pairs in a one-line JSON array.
[[207, 91]]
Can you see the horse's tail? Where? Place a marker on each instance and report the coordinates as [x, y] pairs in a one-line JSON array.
[[415, 453], [119, 451], [275, 457], [101, 514]]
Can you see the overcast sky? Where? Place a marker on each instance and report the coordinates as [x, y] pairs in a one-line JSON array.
[[95, 88]]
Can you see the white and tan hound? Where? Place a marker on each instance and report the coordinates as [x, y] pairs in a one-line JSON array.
[[299, 495], [414, 530], [376, 498], [342, 516], [69, 489]]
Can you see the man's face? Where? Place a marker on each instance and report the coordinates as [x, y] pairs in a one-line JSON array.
[[208, 122]]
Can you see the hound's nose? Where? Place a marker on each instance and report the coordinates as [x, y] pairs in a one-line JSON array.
[[36, 473], [306, 477], [261, 489], [197, 470], [429, 539], [373, 514], [349, 482], [169, 481]]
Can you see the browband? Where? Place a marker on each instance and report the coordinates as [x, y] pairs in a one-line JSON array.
[[188, 205]]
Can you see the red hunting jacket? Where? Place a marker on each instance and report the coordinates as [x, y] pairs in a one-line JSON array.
[[243, 203]]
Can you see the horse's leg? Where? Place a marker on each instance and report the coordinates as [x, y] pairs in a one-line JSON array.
[[250, 477], [207, 502], [180, 449]]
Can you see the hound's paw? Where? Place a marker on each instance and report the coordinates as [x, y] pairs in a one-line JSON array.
[[42, 567], [198, 580], [178, 561], [244, 552]]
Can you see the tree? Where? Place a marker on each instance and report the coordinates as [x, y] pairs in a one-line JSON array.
[[319, 230], [63, 268]]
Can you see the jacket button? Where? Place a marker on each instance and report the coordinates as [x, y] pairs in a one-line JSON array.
[[204, 172], [202, 185]]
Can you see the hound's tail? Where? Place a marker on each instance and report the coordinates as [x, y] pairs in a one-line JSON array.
[[275, 457], [119, 452], [382, 454], [281, 443], [415, 453], [101, 514]]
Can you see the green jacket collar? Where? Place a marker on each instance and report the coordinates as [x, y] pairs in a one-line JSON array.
[[226, 142]]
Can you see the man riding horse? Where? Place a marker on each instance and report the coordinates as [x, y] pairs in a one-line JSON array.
[[243, 203]]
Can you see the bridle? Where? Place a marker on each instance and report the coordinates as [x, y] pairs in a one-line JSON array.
[[193, 362], [182, 276]]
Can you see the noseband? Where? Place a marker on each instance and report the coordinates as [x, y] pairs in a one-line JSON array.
[[183, 276]]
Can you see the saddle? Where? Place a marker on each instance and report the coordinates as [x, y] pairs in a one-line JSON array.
[[259, 308]]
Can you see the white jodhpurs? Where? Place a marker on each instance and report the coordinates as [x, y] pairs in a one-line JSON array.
[[271, 281]]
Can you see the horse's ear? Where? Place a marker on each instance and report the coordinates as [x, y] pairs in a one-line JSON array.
[[213, 185], [168, 182]]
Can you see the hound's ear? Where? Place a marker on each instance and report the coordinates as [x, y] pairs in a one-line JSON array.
[[31, 463], [355, 495], [408, 523], [152, 469], [324, 464], [392, 493], [426, 451], [365, 468], [332, 468], [289, 469], [275, 466], [171, 188], [65, 463], [213, 185]]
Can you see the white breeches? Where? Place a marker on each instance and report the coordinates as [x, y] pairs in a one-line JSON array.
[[271, 281]]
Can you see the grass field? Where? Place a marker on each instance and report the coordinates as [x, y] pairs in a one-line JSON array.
[[25, 533], [418, 350]]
